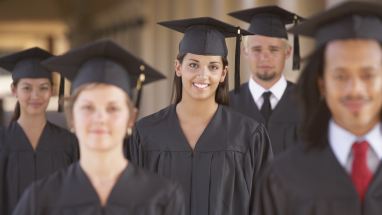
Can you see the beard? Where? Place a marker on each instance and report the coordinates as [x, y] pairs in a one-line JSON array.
[[266, 76]]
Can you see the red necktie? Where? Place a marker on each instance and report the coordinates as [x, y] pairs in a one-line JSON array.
[[360, 173]]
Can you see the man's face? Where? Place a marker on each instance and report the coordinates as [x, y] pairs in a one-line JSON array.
[[352, 83], [266, 57]]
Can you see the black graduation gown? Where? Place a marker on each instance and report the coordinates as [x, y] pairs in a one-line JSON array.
[[70, 192], [283, 123], [2, 169], [313, 182], [21, 164], [218, 176]]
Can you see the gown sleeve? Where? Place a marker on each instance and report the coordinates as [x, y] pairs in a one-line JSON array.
[[261, 156], [176, 205], [27, 205], [3, 161], [271, 197], [262, 150]]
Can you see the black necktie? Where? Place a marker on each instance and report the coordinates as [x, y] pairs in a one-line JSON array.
[[266, 109]]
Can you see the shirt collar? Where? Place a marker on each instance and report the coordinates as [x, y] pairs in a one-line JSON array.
[[341, 141], [277, 89], [374, 137]]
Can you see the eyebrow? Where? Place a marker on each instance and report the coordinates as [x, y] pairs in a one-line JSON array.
[[26, 83], [113, 102], [269, 46], [193, 60], [108, 102], [368, 68], [255, 46], [339, 69], [212, 62], [275, 46]]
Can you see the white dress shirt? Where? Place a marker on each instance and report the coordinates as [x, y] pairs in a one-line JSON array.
[[277, 91], [341, 142]]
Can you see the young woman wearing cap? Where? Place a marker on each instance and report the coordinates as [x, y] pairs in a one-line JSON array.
[[32, 147], [215, 153]]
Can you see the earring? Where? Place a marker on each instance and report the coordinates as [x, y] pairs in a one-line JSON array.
[[72, 130], [129, 131]]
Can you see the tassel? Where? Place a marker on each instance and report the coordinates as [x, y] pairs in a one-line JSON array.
[[296, 48], [140, 81], [61, 93], [237, 61]]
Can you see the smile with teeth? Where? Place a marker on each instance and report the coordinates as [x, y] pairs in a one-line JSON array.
[[200, 85]]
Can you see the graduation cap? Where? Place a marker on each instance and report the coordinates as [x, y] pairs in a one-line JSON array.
[[27, 64], [270, 21], [347, 20], [104, 62], [206, 36]]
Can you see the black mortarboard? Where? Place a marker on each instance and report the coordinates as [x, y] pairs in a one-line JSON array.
[[270, 21], [347, 20], [206, 36], [104, 62], [26, 64]]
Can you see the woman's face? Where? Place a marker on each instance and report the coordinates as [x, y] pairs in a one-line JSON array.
[[201, 76], [101, 117], [33, 94]]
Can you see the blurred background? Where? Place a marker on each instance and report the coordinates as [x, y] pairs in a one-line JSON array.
[[58, 25]]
